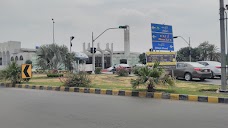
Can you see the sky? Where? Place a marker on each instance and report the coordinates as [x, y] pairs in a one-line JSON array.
[[30, 21]]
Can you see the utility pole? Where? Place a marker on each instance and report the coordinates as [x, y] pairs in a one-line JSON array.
[[223, 49]]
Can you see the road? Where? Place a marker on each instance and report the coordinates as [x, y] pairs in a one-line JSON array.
[[25, 108], [215, 81]]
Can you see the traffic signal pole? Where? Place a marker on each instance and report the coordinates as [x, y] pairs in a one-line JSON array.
[[223, 58], [93, 40], [93, 56]]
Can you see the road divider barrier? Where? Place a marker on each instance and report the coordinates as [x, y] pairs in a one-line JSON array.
[[156, 95]]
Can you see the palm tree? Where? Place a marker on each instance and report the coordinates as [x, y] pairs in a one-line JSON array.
[[12, 73], [213, 55], [151, 77], [52, 56], [208, 51]]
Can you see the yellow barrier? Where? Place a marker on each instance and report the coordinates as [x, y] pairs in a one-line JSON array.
[[142, 94], [212, 99], [157, 95], [192, 98], [174, 96]]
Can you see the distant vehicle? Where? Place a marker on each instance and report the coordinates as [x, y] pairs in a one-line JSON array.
[[214, 66], [126, 66], [189, 70], [139, 65], [85, 68]]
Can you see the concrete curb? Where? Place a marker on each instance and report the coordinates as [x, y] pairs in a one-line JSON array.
[[156, 95]]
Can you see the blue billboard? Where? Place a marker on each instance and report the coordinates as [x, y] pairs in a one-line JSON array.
[[162, 37]]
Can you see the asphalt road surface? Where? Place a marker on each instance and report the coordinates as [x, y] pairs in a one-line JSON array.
[[215, 81], [22, 108]]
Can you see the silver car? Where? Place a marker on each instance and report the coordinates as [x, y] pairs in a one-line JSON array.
[[214, 66]]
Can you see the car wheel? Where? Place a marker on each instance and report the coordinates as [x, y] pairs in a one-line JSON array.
[[212, 75], [202, 79], [188, 76]]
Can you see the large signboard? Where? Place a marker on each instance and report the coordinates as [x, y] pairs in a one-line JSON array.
[[166, 59], [162, 37]]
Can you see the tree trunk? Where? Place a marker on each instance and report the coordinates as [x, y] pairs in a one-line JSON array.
[[150, 88]]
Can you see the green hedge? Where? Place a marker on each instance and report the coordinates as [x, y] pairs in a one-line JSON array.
[[98, 70], [54, 75]]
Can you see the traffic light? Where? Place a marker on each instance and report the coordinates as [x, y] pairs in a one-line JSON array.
[[91, 50], [123, 27]]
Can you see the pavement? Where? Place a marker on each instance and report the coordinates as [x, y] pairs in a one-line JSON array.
[[26, 108]]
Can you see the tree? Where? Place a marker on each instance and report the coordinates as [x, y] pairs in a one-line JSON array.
[[53, 56], [208, 52], [12, 73], [68, 60], [28, 62], [142, 58], [151, 77], [183, 54]]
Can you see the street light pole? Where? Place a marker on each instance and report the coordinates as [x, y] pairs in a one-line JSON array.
[[189, 46], [53, 31], [222, 37], [93, 40], [190, 52]]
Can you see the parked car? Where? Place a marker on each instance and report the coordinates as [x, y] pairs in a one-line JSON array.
[[126, 66], [214, 66], [189, 70]]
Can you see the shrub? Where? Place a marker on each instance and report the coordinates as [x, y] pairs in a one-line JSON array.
[[136, 70], [54, 75], [121, 71], [12, 73], [54, 71], [151, 77], [98, 70], [28, 62], [78, 80]]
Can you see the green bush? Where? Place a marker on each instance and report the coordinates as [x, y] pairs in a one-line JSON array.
[[98, 70], [121, 71], [54, 71], [136, 70], [152, 77], [54, 75], [11, 73], [78, 80]]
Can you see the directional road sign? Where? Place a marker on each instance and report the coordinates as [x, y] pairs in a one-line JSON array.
[[26, 71], [162, 37]]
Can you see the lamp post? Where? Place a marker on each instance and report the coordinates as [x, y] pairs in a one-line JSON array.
[[53, 31], [71, 38], [189, 46], [94, 39]]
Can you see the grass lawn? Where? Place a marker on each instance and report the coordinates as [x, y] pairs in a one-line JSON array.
[[123, 83]]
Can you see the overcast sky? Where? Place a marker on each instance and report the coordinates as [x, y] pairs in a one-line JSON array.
[[29, 21]]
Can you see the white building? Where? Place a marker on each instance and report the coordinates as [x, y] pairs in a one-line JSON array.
[[12, 51]]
